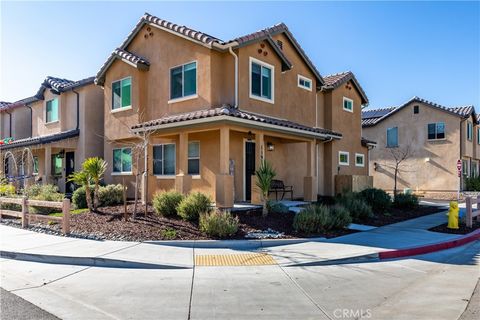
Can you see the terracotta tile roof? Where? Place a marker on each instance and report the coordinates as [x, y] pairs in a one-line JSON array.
[[4, 105], [374, 116], [228, 111], [333, 81], [133, 58], [139, 62], [61, 85], [41, 139]]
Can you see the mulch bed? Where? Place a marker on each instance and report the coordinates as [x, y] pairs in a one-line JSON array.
[[398, 215], [462, 228]]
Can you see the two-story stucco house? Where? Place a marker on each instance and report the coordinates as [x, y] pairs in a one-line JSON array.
[[436, 137], [214, 109], [51, 133]]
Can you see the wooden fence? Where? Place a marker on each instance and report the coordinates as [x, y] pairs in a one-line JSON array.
[[470, 212], [26, 216]]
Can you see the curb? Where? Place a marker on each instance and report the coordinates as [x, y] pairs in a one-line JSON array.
[[413, 251], [85, 261]]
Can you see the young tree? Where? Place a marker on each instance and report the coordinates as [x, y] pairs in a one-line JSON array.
[[82, 178], [264, 176], [399, 155], [95, 168]]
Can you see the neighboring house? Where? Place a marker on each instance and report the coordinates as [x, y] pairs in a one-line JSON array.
[[436, 136], [213, 109], [52, 132]]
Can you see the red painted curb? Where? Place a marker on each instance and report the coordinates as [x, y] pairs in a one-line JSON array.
[[475, 235]]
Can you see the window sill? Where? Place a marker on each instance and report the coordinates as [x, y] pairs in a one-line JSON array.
[[391, 147], [182, 99], [196, 176], [122, 173], [165, 177], [305, 88], [348, 110], [261, 99], [434, 140], [52, 122], [360, 165], [121, 109], [343, 164]]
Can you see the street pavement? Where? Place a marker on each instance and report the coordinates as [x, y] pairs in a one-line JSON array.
[[14, 307], [433, 286]]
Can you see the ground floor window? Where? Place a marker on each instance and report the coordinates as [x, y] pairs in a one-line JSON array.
[[465, 168], [57, 164], [122, 160], [35, 165], [343, 158], [164, 159], [359, 160], [474, 169], [194, 157]]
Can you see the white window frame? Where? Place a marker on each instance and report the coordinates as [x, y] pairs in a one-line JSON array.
[[300, 77], [466, 168], [264, 64], [363, 160], [478, 135], [58, 111], [469, 132], [343, 104], [131, 87], [165, 176], [183, 97], [195, 175], [340, 153], [122, 173]]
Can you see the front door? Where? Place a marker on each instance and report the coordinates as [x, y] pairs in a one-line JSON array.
[[249, 168], [69, 169]]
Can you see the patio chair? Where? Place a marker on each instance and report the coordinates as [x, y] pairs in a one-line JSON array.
[[279, 187]]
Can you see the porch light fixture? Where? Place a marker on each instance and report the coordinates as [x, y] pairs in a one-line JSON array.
[[249, 136], [427, 160], [375, 166], [61, 154], [270, 146]]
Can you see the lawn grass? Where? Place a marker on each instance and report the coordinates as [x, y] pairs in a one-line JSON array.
[[76, 211]]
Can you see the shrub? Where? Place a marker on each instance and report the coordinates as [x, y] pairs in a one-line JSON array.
[[357, 207], [193, 205], [406, 201], [79, 199], [277, 207], [339, 217], [313, 219], [7, 190], [218, 224], [48, 192], [166, 203], [377, 199], [168, 234], [110, 195], [472, 184]]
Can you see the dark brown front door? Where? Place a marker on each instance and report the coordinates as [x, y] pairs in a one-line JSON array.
[[249, 168], [69, 169]]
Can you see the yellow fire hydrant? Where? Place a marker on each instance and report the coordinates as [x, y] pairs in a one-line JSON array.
[[453, 215]]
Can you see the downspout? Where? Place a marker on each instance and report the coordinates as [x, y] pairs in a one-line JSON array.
[[78, 108], [236, 75], [31, 119], [9, 124]]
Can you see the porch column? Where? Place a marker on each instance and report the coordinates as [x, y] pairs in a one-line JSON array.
[[223, 180], [310, 181], [47, 169], [259, 157], [183, 181]]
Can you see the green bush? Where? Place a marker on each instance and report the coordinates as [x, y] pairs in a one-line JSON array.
[[168, 234], [339, 217], [277, 207], [193, 205], [48, 192], [79, 199], [406, 201], [377, 199], [218, 224], [472, 184], [7, 190], [313, 219], [356, 205], [166, 203], [110, 195]]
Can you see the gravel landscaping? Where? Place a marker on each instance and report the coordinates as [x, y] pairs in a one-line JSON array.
[[395, 215], [462, 228]]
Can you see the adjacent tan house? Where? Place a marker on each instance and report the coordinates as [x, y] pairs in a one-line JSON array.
[[50, 134], [212, 110], [434, 138]]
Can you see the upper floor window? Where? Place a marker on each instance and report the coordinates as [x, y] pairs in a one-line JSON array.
[[478, 135], [194, 157], [183, 80], [304, 83], [164, 159], [347, 104], [469, 131], [122, 160], [436, 131], [359, 160], [122, 93], [392, 137], [343, 158], [261, 80], [416, 109], [51, 111]]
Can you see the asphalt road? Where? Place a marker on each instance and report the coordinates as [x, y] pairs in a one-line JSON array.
[[12, 307]]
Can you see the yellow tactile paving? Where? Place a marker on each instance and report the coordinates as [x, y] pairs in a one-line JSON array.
[[245, 259]]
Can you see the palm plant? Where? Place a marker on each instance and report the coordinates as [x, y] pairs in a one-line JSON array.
[[95, 168], [83, 178], [264, 176]]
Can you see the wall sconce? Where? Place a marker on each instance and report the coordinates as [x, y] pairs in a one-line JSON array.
[[61, 154], [375, 166], [427, 160], [249, 136], [270, 146]]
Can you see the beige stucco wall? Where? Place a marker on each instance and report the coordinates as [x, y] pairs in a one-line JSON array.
[[432, 166], [20, 123]]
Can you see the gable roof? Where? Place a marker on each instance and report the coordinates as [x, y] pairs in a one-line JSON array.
[[211, 42], [374, 116], [334, 81], [4, 104], [59, 85]]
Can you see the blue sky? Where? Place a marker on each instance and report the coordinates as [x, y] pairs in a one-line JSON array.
[[396, 49]]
